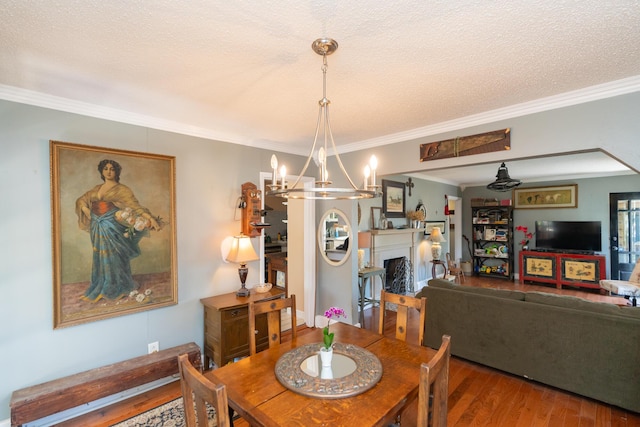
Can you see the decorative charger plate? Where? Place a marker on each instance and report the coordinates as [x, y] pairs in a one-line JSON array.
[[422, 208], [367, 373]]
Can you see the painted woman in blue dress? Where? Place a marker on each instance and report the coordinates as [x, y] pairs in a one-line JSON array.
[[116, 222]]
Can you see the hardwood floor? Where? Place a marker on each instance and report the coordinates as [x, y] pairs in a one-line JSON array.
[[478, 395]]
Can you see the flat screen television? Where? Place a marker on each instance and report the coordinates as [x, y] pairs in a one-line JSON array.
[[574, 236]]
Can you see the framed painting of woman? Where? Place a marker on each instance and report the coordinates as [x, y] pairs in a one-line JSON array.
[[114, 239]]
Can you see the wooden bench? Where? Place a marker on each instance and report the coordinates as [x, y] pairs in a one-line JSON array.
[[35, 402]]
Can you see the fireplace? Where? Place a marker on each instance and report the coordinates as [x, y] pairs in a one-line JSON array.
[[398, 275]]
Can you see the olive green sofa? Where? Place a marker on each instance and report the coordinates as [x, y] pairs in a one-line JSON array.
[[588, 348]]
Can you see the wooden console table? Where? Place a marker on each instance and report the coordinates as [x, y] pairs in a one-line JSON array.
[[562, 269], [226, 326]]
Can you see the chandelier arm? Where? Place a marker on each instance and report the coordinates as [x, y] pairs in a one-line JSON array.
[[313, 147], [333, 144]]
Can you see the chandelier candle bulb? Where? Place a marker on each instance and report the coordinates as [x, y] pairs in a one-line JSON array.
[[322, 163], [274, 166], [283, 173], [374, 165], [367, 172]]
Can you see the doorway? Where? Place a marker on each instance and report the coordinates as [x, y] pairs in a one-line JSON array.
[[624, 233], [455, 227], [300, 250]]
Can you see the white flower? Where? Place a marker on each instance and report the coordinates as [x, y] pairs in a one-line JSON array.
[[133, 293], [140, 223], [140, 297], [147, 292]]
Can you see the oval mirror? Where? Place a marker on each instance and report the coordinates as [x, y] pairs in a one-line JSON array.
[[334, 237]]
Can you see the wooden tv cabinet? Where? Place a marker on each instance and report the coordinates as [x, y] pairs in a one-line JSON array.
[[562, 269]]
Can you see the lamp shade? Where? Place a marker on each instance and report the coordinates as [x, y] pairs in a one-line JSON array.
[[242, 250], [364, 239], [436, 235]]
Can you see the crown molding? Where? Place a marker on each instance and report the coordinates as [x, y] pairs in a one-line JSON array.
[[39, 99], [593, 93], [567, 99]]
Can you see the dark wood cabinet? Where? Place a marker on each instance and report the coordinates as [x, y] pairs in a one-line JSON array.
[[226, 326]]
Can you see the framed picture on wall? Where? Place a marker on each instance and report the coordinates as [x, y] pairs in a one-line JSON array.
[[113, 226], [558, 196], [430, 225], [393, 199]]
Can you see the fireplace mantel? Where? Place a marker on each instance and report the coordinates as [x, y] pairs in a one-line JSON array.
[[396, 231]]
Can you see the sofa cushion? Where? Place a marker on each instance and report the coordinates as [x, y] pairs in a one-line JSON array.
[[577, 303], [497, 293]]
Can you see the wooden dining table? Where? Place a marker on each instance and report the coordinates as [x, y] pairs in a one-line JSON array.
[[257, 395]]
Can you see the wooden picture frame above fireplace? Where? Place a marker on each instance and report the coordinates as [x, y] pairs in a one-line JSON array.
[[393, 199]]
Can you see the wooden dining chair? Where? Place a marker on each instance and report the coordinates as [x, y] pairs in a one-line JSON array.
[[454, 269], [403, 303], [273, 309], [434, 388], [198, 390]]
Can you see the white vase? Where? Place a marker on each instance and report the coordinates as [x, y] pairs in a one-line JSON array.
[[326, 356], [326, 373]]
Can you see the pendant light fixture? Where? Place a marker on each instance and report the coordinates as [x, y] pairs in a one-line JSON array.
[[322, 188], [503, 181]]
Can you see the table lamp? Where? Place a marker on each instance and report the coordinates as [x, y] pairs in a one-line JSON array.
[[436, 238], [242, 252], [364, 242]]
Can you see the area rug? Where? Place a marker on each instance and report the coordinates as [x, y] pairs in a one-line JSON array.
[[170, 414]]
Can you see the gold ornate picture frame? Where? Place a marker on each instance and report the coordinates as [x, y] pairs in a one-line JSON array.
[[559, 196], [113, 232]]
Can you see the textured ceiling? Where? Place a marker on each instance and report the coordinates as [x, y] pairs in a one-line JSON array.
[[244, 72]]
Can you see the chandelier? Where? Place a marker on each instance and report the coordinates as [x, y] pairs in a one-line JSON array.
[[322, 188]]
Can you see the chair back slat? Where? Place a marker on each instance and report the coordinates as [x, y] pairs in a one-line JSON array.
[[198, 390], [403, 303], [434, 388]]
